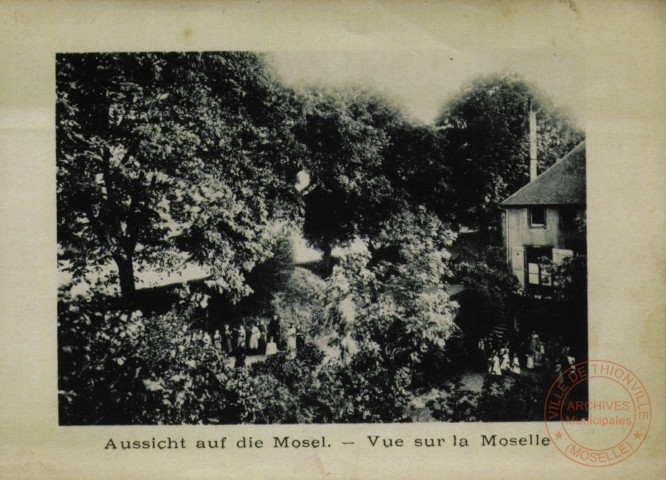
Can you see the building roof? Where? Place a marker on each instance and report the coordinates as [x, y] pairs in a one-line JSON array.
[[561, 184]]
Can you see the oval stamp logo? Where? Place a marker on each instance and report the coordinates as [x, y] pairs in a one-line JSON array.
[[597, 413]]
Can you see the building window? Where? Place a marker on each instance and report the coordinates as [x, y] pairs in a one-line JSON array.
[[538, 274], [537, 216], [538, 271]]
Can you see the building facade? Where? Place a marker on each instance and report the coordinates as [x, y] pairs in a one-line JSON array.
[[545, 221]]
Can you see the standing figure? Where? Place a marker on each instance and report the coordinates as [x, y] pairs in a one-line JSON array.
[[274, 329], [254, 338], [530, 361], [248, 336], [496, 364], [506, 362], [271, 347], [538, 354], [291, 340], [565, 351], [217, 340], [240, 339], [263, 338], [515, 365], [534, 341], [482, 350], [227, 339]]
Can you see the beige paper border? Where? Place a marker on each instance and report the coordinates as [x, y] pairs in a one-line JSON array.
[[622, 44]]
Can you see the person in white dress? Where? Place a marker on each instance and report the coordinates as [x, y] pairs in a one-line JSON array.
[[271, 347], [506, 362], [496, 364], [291, 340], [255, 334], [515, 365], [530, 361]]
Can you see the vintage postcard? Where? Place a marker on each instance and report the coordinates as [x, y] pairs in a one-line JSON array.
[[332, 240]]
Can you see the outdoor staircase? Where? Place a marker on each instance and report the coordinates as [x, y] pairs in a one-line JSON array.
[[500, 330]]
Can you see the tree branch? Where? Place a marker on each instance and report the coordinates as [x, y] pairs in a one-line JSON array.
[[137, 215], [97, 227], [111, 200]]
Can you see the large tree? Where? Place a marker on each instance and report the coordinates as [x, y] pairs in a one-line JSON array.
[[347, 134], [416, 166], [487, 144], [164, 159]]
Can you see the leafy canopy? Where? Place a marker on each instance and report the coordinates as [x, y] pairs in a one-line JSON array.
[[171, 158], [347, 135], [400, 299], [487, 143]]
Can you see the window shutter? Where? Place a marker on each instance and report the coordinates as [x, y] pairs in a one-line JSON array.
[[517, 259], [560, 254], [518, 264]]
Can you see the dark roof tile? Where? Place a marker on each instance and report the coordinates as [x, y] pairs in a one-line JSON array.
[[562, 184]]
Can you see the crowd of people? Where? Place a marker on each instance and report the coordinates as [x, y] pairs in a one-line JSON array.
[[503, 357], [260, 337], [255, 338]]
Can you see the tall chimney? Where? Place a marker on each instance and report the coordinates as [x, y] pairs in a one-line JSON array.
[[533, 144]]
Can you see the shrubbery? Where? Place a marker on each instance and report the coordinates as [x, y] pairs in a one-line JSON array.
[[511, 399], [398, 292], [489, 298], [301, 302], [121, 368]]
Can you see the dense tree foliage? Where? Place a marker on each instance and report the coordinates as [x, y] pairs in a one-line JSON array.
[[347, 135], [270, 276], [489, 298], [166, 158], [399, 295], [302, 302], [487, 144], [418, 168], [117, 369], [512, 399]]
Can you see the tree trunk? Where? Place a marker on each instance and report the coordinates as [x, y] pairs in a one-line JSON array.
[[126, 277], [326, 260]]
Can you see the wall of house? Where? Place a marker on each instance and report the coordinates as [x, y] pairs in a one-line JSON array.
[[518, 234]]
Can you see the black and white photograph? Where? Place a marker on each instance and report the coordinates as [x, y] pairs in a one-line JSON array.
[[317, 237], [345, 240]]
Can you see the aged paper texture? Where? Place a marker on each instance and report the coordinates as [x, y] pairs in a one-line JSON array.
[[604, 60]]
